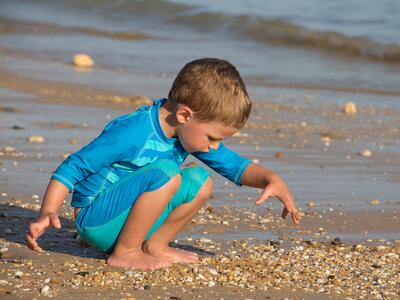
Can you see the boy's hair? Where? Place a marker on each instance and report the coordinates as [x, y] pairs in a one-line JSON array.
[[214, 90]]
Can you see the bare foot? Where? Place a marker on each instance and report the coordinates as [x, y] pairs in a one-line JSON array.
[[170, 254], [137, 260]]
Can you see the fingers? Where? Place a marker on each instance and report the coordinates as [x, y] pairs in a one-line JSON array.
[[34, 232], [290, 208], [264, 196], [32, 244], [55, 221], [284, 213], [296, 218]]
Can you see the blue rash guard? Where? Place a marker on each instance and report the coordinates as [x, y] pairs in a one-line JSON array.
[[127, 144]]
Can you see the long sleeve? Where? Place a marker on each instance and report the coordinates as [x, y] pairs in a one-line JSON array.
[[112, 145], [225, 162]]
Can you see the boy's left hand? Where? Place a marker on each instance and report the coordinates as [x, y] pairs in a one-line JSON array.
[[277, 188]]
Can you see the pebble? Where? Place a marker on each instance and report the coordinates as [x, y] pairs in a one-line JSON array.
[[311, 204], [336, 241], [18, 274], [279, 155], [365, 153], [83, 60], [358, 247], [375, 202], [350, 108], [36, 139], [73, 141], [45, 289], [380, 248], [8, 149]]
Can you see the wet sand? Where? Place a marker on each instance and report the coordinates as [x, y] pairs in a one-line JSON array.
[[340, 250]]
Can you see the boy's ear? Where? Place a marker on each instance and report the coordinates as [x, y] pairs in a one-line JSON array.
[[183, 114]]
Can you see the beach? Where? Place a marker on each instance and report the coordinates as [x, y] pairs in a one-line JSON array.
[[343, 169]]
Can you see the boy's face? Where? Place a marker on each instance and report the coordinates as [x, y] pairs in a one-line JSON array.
[[195, 136]]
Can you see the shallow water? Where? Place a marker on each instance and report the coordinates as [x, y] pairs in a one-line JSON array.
[[179, 33]]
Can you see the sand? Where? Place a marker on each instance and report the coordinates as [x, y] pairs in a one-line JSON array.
[[339, 251]]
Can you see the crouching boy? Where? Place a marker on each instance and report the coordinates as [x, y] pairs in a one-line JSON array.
[[129, 193]]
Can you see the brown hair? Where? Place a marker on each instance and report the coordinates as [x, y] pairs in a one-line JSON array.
[[214, 90]]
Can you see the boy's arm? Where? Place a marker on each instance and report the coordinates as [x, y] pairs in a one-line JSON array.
[[113, 144], [225, 162], [274, 186], [110, 146], [240, 170], [48, 216]]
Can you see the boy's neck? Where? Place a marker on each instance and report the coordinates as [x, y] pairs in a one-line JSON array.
[[167, 119]]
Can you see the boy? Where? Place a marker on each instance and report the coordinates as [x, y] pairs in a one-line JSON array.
[[131, 198]]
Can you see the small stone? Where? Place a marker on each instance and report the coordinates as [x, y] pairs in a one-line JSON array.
[[210, 209], [47, 280], [336, 242], [9, 149], [83, 60], [358, 247], [279, 155], [36, 139], [350, 108], [17, 127], [147, 287], [18, 274], [375, 201], [311, 204], [204, 240], [213, 271], [380, 248], [365, 153], [82, 273], [44, 289], [73, 141], [326, 139]]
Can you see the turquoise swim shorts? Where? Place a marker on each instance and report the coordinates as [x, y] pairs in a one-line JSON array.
[[100, 224]]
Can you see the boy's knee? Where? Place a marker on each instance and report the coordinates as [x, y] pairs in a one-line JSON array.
[[175, 182], [205, 191]]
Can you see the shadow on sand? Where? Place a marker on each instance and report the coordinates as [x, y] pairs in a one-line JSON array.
[[14, 222]]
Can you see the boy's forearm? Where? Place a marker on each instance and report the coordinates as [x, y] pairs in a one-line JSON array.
[[54, 197], [257, 176]]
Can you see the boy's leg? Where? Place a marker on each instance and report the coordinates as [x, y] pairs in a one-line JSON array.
[[145, 211], [157, 244]]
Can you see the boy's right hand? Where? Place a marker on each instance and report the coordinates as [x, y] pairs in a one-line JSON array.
[[40, 226]]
